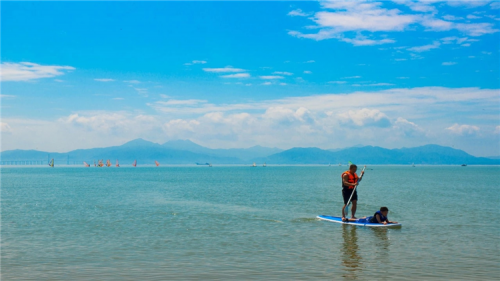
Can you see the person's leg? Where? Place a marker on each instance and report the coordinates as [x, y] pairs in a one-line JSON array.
[[343, 213], [345, 196], [354, 204]]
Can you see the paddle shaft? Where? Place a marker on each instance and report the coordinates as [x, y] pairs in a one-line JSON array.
[[354, 190]]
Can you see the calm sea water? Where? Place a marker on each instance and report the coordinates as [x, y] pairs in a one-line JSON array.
[[159, 223]]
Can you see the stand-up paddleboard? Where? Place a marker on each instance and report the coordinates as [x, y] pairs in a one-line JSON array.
[[358, 222]]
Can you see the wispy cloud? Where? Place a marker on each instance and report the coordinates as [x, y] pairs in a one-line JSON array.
[[341, 19], [448, 63], [307, 72], [337, 82], [352, 77], [271, 77], [425, 48], [283, 73], [196, 62], [25, 71], [132, 81], [298, 13], [104, 79], [237, 75], [224, 69], [463, 129]]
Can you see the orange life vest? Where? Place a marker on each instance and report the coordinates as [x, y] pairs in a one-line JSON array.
[[352, 179]]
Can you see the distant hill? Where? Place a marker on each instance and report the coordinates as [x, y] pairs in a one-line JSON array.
[[187, 152], [241, 153], [427, 154]]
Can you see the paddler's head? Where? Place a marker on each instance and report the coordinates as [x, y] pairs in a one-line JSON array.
[[353, 168], [384, 211]]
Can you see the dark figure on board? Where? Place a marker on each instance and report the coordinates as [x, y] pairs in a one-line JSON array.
[[381, 216], [349, 182]]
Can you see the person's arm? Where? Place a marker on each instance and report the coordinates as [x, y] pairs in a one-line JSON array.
[[377, 217], [345, 181]]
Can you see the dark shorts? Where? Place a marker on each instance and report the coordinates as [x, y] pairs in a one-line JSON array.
[[346, 193]]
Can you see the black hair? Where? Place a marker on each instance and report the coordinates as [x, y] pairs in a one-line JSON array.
[[353, 166], [384, 209]]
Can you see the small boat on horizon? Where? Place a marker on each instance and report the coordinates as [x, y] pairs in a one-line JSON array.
[[254, 165], [265, 165], [117, 164], [135, 163], [157, 163], [51, 163], [464, 165], [210, 165], [86, 164]]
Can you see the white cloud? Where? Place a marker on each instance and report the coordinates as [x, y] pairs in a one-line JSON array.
[[104, 79], [340, 19], [299, 13], [337, 82], [5, 128], [58, 80], [181, 102], [199, 62], [448, 63], [25, 71], [352, 77], [407, 128], [237, 75], [2, 96], [283, 73], [425, 48], [365, 117], [451, 17], [132, 81], [307, 72], [473, 17], [267, 83], [224, 69], [327, 120], [283, 84], [117, 98], [271, 77], [310, 61], [380, 84], [463, 129]]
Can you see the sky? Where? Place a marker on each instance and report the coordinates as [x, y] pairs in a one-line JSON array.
[[232, 74]]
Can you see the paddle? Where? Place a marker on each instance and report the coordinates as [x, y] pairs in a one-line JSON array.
[[346, 210]]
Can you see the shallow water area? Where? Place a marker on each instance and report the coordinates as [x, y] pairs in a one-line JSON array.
[[239, 222]]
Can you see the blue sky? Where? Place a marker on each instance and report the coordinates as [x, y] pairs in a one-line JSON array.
[[238, 74]]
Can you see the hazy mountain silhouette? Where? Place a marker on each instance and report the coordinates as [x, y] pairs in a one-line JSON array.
[[188, 152]]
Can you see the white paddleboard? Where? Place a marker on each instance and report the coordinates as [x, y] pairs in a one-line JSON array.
[[358, 222]]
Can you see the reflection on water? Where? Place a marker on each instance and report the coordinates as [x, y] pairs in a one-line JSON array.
[[382, 243], [351, 260]]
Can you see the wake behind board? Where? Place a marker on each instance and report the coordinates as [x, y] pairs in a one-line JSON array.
[[358, 222]]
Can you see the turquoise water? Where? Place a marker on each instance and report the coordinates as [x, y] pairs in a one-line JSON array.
[[158, 223]]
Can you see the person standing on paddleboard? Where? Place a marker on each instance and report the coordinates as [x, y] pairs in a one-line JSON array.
[[349, 181]]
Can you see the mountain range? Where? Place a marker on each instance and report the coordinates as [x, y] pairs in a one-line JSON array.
[[188, 152]]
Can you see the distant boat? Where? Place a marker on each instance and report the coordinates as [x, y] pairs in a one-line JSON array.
[[264, 165], [117, 164], [51, 163], [208, 164], [135, 163], [254, 165], [85, 164], [108, 163], [464, 165], [99, 163], [156, 163]]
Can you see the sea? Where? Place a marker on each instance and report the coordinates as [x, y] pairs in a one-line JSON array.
[[247, 223]]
